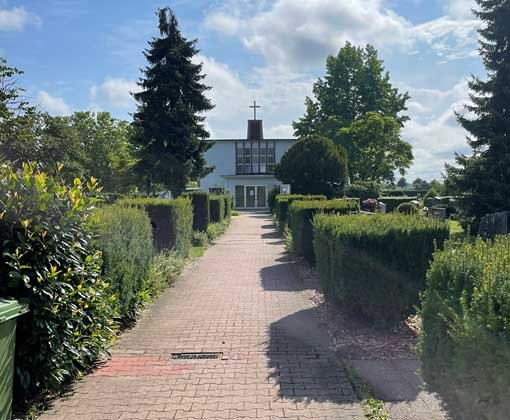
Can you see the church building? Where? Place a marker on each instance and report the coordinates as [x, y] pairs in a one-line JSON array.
[[245, 167]]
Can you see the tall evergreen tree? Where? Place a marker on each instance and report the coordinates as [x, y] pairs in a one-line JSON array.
[[484, 176], [169, 122]]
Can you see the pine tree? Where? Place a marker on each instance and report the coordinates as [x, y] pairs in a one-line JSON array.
[[169, 122], [484, 176]]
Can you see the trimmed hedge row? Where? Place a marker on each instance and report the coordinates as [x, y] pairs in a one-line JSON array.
[[376, 265], [125, 239], [393, 202], [229, 204], [201, 210], [283, 203], [171, 219], [301, 214], [465, 343], [217, 208]]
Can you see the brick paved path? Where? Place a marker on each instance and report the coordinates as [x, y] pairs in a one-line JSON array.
[[243, 299]]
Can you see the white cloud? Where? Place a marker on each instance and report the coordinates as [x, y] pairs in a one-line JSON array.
[[16, 19], [52, 104], [302, 33], [281, 95], [433, 130], [115, 92]]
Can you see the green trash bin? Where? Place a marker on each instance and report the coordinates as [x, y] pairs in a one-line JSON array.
[[9, 311]]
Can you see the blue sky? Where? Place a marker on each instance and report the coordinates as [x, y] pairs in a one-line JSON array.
[[87, 54]]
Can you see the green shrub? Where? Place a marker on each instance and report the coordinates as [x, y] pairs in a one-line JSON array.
[[215, 230], [283, 203], [217, 208], [200, 239], [164, 270], [363, 190], [407, 208], [271, 198], [49, 260], [125, 239], [201, 210], [171, 219], [393, 202], [465, 343], [376, 264], [301, 214], [229, 204]]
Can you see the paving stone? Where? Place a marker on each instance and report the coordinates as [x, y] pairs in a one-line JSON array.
[[241, 298]]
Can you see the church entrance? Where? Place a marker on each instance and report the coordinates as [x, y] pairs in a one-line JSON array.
[[251, 196]]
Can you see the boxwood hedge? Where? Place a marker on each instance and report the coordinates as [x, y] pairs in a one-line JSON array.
[[393, 202], [301, 214], [465, 340], [283, 203], [376, 264]]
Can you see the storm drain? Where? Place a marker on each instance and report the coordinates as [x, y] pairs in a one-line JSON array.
[[196, 356]]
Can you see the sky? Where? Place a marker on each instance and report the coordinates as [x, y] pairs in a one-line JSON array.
[[87, 55]]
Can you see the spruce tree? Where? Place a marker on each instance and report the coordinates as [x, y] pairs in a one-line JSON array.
[[169, 122], [484, 176]]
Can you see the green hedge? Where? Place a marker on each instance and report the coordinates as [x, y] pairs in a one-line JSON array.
[[376, 264], [465, 344], [201, 210], [402, 193], [284, 201], [393, 202], [125, 239], [301, 214], [171, 219], [229, 203], [49, 260], [217, 208]]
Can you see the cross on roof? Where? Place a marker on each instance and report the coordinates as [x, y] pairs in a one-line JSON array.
[[254, 106]]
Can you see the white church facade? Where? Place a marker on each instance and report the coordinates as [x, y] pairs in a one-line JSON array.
[[245, 167]]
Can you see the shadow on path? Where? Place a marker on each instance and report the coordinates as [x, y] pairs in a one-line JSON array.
[[303, 364]]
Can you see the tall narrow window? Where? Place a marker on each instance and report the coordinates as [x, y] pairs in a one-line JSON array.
[[239, 158]]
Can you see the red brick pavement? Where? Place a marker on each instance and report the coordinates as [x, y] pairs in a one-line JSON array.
[[242, 299]]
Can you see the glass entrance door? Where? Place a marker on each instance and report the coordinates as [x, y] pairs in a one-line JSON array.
[[239, 196], [251, 200], [261, 196]]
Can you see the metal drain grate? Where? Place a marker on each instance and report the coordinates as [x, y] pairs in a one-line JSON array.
[[196, 356]]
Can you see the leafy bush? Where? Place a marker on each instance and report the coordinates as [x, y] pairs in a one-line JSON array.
[[376, 264], [393, 202], [49, 260], [407, 208], [283, 203], [217, 208], [301, 214], [229, 203], [465, 344], [216, 229], [363, 190], [200, 238], [201, 210], [125, 239], [171, 219]]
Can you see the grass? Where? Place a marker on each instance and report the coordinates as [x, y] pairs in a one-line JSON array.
[[196, 252]]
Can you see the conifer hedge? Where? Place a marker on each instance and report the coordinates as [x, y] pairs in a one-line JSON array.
[[201, 210], [301, 214], [283, 203], [393, 202], [376, 264], [465, 340], [229, 202], [217, 208], [171, 219]]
